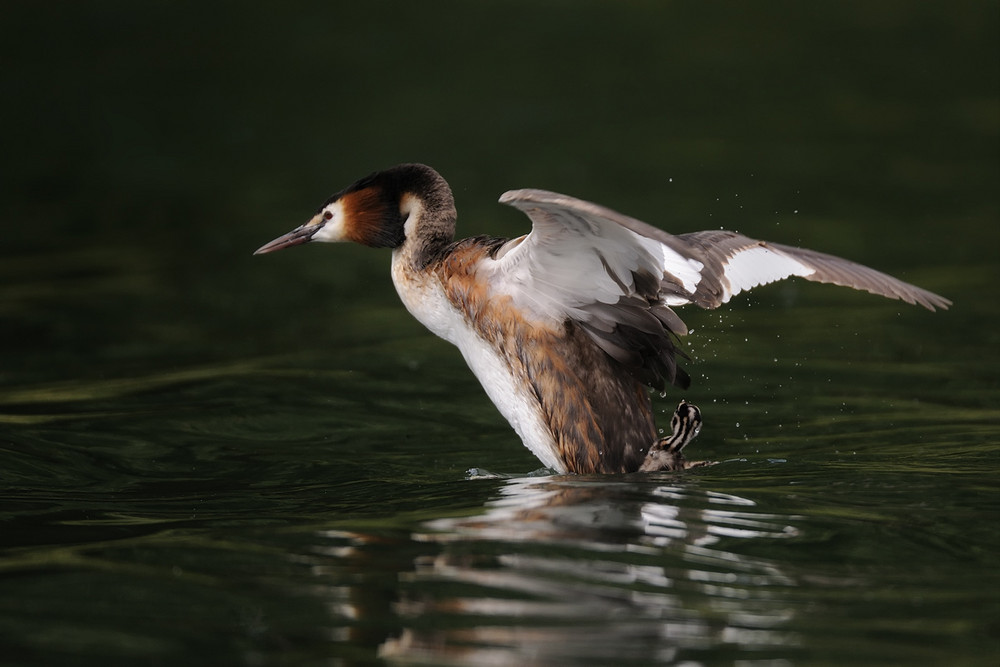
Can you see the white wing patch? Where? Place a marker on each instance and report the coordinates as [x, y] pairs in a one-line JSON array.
[[759, 265], [685, 269]]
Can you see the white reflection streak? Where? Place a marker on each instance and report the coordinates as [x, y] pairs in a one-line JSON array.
[[528, 567]]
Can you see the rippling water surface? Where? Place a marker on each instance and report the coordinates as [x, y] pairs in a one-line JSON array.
[[213, 458]]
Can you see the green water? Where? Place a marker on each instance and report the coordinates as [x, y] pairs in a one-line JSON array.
[[213, 458]]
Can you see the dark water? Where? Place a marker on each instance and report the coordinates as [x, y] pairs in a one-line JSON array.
[[209, 458]]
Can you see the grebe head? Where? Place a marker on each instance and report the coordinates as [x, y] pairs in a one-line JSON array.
[[685, 424], [667, 453], [381, 210]]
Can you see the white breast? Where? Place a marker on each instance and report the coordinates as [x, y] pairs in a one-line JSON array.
[[424, 297]]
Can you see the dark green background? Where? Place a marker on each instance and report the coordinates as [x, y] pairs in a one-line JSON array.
[[208, 457]]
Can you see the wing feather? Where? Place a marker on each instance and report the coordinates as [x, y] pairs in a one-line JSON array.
[[735, 263], [617, 277]]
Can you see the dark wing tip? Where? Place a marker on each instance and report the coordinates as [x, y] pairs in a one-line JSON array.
[[843, 272]]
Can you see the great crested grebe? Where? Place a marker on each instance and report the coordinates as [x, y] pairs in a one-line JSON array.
[[566, 326]]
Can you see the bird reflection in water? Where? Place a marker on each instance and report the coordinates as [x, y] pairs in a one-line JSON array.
[[587, 568]]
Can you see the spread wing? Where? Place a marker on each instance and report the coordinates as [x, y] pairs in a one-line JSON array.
[[617, 276], [736, 263]]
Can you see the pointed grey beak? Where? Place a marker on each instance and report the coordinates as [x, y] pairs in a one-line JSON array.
[[297, 236]]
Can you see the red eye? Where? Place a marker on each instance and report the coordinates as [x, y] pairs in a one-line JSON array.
[[327, 215]]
